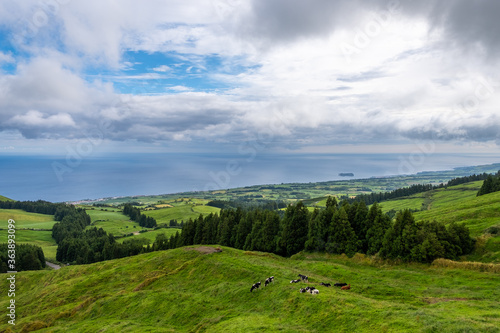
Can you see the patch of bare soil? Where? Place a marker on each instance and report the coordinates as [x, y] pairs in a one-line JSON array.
[[204, 249]]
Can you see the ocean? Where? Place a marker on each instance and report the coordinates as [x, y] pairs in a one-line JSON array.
[[65, 178]]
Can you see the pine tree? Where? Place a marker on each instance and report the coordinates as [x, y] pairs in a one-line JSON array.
[[294, 229], [342, 238]]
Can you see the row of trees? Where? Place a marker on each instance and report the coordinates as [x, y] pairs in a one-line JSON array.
[[135, 215], [491, 184], [346, 228], [414, 189], [27, 258], [40, 206]]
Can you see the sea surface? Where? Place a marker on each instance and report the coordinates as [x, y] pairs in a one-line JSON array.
[[65, 178]]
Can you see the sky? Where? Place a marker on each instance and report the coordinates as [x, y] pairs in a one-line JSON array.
[[238, 76]]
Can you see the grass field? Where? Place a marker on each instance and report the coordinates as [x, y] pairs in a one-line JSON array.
[[36, 237], [151, 234], [112, 221], [2, 198], [181, 212], [195, 290], [459, 204], [26, 220]]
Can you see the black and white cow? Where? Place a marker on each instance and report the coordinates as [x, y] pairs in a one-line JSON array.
[[255, 286], [325, 284], [268, 280], [295, 281], [303, 277]]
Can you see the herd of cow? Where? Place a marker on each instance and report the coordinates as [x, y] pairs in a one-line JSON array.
[[303, 278]]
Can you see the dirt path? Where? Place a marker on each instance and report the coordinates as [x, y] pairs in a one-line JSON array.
[[51, 265]]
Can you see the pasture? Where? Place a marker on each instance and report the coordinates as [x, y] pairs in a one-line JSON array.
[[112, 221], [150, 235], [25, 220], [193, 289], [41, 238], [460, 204], [181, 212]]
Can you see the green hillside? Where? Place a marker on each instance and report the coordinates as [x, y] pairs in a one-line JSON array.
[[196, 290], [31, 228], [2, 198], [182, 211], [459, 204]]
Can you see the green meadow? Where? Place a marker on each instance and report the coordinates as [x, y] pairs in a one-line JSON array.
[[25, 220], [195, 289], [459, 204], [181, 212], [24, 223], [150, 235], [112, 221], [41, 238]]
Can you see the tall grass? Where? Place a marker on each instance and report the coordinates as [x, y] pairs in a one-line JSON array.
[[468, 265]]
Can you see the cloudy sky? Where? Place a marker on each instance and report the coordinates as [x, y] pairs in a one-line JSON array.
[[316, 76]]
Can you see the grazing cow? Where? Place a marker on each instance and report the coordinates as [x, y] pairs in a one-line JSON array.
[[302, 290], [315, 291], [340, 284], [303, 277], [310, 288], [295, 281], [255, 286], [346, 287], [268, 280], [325, 284]]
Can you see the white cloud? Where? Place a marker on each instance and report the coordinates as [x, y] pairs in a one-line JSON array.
[[404, 75], [35, 118], [6, 58], [162, 68]]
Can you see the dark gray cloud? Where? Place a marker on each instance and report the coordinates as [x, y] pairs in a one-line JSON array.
[[466, 24]]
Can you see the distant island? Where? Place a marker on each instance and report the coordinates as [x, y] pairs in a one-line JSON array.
[[346, 174]]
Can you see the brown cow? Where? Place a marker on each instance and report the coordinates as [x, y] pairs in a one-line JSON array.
[[346, 287]]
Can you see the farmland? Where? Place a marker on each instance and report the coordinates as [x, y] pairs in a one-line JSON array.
[[193, 289]]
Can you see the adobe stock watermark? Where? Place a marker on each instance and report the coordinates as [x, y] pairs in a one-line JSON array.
[[75, 154], [41, 16], [365, 34], [225, 8], [413, 162], [249, 149], [483, 90], [11, 272]]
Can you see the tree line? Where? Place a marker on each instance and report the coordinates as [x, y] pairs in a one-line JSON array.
[[414, 189], [346, 228], [40, 206], [135, 215], [27, 258], [491, 184]]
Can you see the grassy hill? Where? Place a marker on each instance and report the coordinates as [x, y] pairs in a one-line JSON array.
[[2, 198], [31, 228], [460, 204], [194, 289]]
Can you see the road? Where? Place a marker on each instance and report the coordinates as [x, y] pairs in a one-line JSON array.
[[53, 266]]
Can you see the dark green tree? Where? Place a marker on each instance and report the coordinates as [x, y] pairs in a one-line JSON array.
[[294, 229], [342, 238]]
